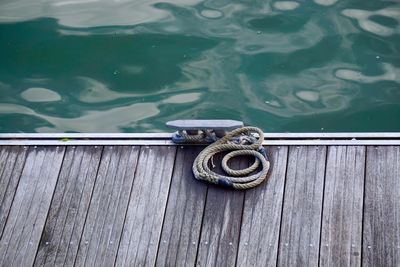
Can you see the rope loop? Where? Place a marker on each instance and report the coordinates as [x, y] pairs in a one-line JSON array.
[[239, 142]]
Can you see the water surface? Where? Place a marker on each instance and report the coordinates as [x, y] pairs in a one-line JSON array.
[[130, 66]]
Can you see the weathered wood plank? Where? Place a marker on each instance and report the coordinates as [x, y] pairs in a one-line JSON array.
[[30, 206], [302, 207], [262, 216], [381, 232], [12, 160], [86, 210], [61, 235], [183, 218], [104, 222], [219, 239], [343, 205], [144, 218]]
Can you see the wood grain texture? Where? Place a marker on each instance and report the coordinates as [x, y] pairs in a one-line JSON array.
[[31, 203], [12, 160], [262, 216], [183, 217], [140, 206], [341, 232], [145, 214], [302, 207], [104, 222], [66, 218], [381, 232], [220, 232]]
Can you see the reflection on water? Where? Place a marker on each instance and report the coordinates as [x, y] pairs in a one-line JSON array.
[[364, 19], [325, 2], [40, 95], [286, 5], [92, 121], [182, 98], [88, 13], [123, 66], [95, 92], [211, 14], [390, 73]]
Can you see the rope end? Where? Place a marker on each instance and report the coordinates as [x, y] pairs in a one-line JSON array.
[[178, 139], [263, 152], [225, 183]]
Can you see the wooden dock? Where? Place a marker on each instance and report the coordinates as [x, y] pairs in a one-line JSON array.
[[138, 205]]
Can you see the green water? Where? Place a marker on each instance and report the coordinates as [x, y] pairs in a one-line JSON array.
[[130, 66]]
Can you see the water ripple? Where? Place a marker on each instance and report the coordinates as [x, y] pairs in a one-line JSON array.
[[364, 19], [111, 120], [87, 13], [286, 5], [390, 73], [109, 66], [40, 95]]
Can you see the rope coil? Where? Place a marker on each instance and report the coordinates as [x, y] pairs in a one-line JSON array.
[[240, 141]]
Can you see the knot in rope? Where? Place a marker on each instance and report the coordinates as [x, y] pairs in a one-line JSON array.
[[239, 142]]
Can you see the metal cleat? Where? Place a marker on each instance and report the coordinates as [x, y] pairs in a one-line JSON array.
[[216, 125]]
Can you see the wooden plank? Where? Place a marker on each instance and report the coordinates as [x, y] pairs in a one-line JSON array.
[[61, 235], [381, 232], [30, 206], [144, 218], [301, 215], [341, 232], [12, 160], [262, 216], [104, 222], [182, 222], [219, 239]]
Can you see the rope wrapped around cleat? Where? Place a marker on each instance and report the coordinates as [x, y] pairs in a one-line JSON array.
[[240, 141], [202, 137]]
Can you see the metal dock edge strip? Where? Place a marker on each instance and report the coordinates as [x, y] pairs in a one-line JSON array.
[[371, 135], [156, 139]]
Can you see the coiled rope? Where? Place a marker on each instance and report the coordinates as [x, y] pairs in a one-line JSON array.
[[240, 141]]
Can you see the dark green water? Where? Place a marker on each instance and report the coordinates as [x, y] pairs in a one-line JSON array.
[[130, 66]]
